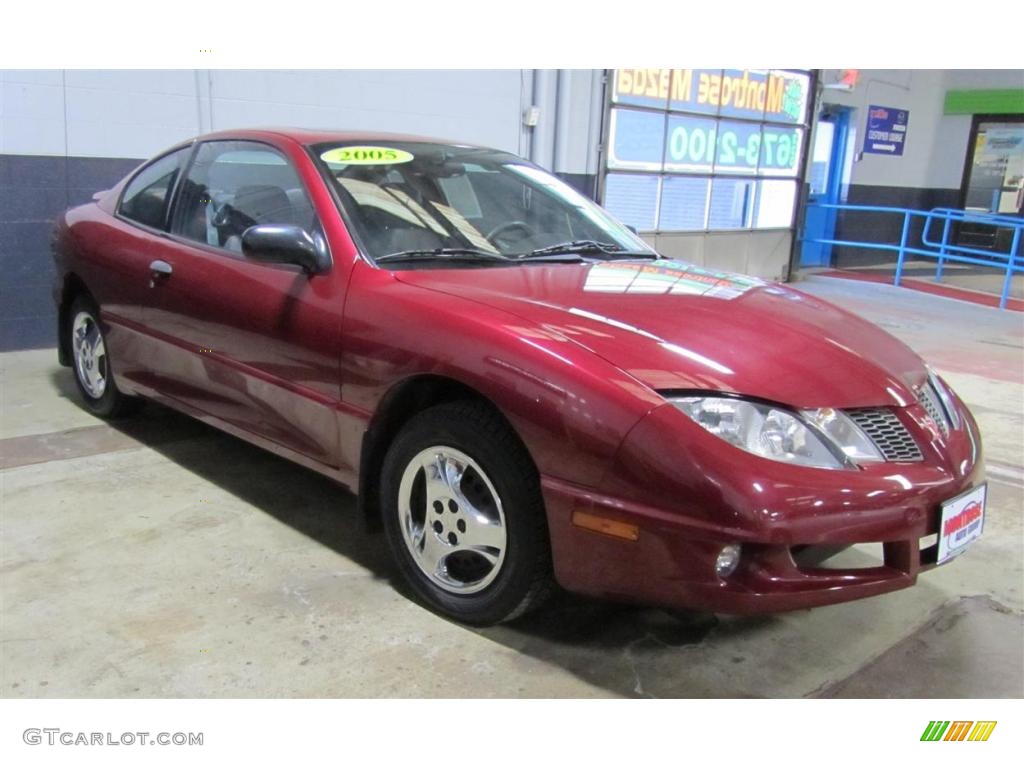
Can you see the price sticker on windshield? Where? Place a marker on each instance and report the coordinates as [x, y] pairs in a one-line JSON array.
[[366, 156]]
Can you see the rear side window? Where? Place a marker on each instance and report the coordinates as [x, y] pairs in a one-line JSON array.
[[146, 197], [233, 185]]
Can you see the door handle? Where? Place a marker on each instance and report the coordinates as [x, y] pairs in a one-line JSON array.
[[159, 269]]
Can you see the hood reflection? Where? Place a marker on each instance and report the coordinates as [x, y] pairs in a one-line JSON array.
[[667, 277]]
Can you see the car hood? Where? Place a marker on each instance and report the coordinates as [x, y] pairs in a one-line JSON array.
[[675, 326]]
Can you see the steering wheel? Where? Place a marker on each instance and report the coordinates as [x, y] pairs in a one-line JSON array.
[[522, 226]]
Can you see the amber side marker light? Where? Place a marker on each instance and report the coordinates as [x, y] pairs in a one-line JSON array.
[[598, 524]]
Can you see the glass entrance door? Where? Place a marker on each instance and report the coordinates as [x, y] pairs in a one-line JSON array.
[[993, 178], [824, 181], [995, 175]]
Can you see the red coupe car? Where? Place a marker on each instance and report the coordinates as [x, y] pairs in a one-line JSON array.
[[518, 388]]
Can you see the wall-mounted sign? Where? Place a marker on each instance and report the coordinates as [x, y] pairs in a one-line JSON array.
[[886, 133], [775, 95], [640, 141]]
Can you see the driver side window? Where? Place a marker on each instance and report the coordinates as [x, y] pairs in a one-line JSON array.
[[233, 185]]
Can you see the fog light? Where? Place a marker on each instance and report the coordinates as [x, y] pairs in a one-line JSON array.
[[727, 561]]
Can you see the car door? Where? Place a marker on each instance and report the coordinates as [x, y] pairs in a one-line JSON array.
[[117, 267], [252, 344]]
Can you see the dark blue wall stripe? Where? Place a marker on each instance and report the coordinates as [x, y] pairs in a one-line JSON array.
[[884, 227], [34, 190]]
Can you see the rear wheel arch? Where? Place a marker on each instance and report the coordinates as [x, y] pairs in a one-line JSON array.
[[403, 401], [73, 287]]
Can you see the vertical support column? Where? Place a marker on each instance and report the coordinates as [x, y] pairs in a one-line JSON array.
[[563, 114], [1011, 262], [595, 126], [903, 245], [204, 108], [545, 96], [942, 248], [525, 102]]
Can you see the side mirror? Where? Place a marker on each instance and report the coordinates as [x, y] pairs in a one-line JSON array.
[[284, 244], [633, 229]]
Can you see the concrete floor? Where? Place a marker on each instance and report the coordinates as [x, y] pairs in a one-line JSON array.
[[155, 557]]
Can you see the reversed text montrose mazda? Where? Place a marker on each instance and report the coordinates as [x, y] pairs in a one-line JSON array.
[[519, 389]]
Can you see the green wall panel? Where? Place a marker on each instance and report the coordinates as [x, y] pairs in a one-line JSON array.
[[989, 102]]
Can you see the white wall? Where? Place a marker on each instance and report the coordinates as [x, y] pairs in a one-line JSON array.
[[936, 144], [984, 78], [135, 113]]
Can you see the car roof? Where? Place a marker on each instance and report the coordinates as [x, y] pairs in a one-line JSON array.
[[309, 136]]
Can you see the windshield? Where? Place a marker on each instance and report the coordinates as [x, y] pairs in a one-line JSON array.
[[441, 203]]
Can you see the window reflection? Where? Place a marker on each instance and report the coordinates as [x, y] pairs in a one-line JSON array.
[[667, 277]]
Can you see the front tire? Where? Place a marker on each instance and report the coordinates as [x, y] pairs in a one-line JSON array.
[[90, 361], [463, 515]]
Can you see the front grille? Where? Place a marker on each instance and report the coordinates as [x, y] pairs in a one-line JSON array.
[[931, 403], [887, 432]]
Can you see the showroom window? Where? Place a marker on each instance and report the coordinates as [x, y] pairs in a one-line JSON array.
[[704, 149]]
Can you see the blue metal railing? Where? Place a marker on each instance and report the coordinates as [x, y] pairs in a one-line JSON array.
[[942, 249]]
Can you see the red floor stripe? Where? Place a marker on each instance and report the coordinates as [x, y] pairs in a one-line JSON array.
[[937, 289]]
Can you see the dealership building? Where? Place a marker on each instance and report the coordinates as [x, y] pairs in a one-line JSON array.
[[778, 197], [715, 167]]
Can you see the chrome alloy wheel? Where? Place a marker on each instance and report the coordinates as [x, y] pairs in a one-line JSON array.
[[90, 354], [452, 520]]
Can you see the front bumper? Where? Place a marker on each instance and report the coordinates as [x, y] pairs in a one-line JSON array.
[[774, 511]]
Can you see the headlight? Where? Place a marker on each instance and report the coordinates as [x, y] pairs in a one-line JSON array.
[[844, 434], [945, 396], [823, 438]]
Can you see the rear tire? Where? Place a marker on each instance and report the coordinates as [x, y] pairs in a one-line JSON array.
[[464, 516], [91, 362]]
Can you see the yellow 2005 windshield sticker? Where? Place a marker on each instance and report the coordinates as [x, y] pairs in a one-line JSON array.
[[366, 156]]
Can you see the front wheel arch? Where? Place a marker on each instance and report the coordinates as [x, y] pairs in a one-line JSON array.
[[404, 400]]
